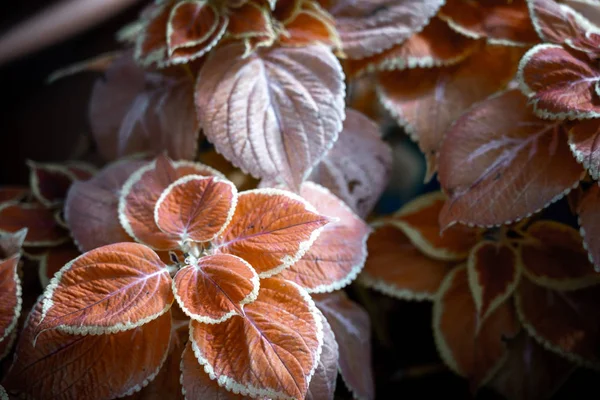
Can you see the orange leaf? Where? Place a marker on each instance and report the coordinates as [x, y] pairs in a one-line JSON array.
[[215, 288], [426, 101], [399, 269], [323, 382], [530, 372], [197, 384], [340, 251], [251, 20], [10, 301], [11, 243], [106, 290], [194, 24], [50, 182], [554, 257], [359, 181], [42, 228], [54, 259], [563, 322], [310, 24], [62, 366], [368, 27], [494, 273], [498, 167], [589, 211], [469, 346], [196, 208], [271, 229], [352, 329], [560, 83], [272, 351], [142, 190], [274, 113], [13, 193], [584, 141], [435, 46], [501, 22], [419, 220]]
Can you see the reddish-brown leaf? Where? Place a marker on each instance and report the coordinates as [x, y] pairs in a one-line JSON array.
[[470, 347], [142, 190], [62, 366], [151, 43], [584, 141], [272, 351], [275, 113], [500, 163], [589, 222], [419, 220], [494, 273], [435, 46], [132, 110], [564, 322], [271, 229], [553, 256], [193, 23], [91, 207], [42, 228], [10, 301], [310, 24], [425, 101], [13, 193], [560, 83], [54, 259], [499, 21], [49, 183], [338, 254], [196, 208], [359, 181], [396, 267], [368, 27], [251, 20], [215, 288], [530, 372], [352, 329], [106, 290]]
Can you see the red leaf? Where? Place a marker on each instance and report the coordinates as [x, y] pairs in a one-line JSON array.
[[61, 366], [339, 253], [151, 42], [271, 229], [584, 141], [310, 24], [50, 182], [273, 351], [500, 22], [275, 113], [563, 322], [54, 259], [435, 46], [10, 301], [133, 111], [560, 24], [368, 27], [251, 20], [560, 84], [530, 372], [323, 382], [419, 220], [359, 181], [352, 329], [494, 272], [501, 166], [13, 193], [215, 288], [589, 212], [399, 269], [42, 228], [554, 257], [469, 346], [91, 207], [196, 24], [196, 208], [110, 289], [142, 190], [426, 101]]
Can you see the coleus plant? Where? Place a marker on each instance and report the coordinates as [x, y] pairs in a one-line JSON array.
[[242, 265], [491, 290]]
